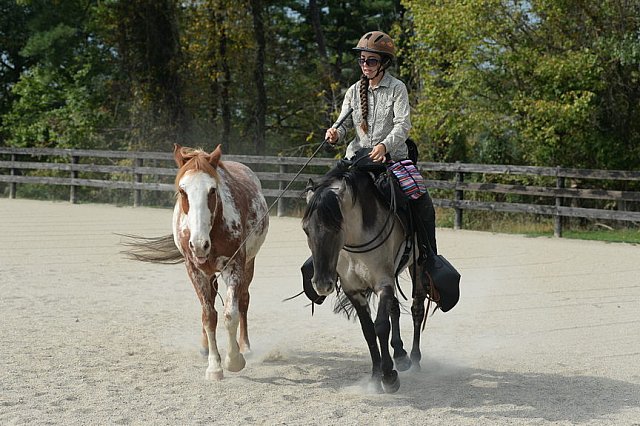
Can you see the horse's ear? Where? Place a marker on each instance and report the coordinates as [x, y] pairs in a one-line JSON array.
[[177, 155], [308, 191], [214, 157]]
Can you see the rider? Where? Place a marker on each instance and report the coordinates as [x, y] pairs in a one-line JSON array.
[[380, 116]]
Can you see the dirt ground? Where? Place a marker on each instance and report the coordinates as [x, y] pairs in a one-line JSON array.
[[547, 331]]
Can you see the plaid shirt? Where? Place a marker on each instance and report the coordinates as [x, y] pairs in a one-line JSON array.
[[388, 118]]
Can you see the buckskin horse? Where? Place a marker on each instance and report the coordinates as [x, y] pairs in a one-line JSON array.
[[356, 239], [220, 221]]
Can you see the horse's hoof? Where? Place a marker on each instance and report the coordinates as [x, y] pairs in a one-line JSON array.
[[374, 386], [214, 375], [391, 382], [415, 367], [402, 363], [236, 363]]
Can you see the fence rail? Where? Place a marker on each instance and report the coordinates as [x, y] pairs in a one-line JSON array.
[[467, 184]]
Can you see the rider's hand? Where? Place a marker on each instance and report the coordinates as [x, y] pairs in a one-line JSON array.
[[332, 135], [378, 153]]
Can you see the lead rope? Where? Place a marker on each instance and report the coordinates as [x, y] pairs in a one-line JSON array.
[[286, 188]]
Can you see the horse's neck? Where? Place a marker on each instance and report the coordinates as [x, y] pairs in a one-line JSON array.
[[353, 215]]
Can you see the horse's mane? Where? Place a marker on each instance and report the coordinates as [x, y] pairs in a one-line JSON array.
[[326, 203], [197, 159]]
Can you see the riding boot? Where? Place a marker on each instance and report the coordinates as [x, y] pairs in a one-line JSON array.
[[424, 222]]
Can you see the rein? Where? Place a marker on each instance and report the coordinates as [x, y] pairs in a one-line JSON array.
[[286, 188], [361, 248]]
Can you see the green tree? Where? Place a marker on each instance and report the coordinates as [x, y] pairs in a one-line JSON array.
[[537, 82], [59, 97]]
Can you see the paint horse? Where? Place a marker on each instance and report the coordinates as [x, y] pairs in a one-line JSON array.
[[357, 239], [220, 221]]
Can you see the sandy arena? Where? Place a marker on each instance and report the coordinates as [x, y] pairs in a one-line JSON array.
[[547, 331]]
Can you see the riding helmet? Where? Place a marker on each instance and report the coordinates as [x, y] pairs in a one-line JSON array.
[[377, 42]]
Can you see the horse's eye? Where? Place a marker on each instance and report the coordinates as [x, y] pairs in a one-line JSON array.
[[212, 191]]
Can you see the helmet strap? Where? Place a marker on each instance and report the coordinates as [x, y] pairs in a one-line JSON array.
[[384, 64]]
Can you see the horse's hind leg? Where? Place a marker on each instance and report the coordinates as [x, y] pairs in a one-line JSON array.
[[418, 316], [400, 358], [243, 306], [417, 313]]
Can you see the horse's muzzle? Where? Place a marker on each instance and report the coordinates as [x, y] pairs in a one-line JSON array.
[[200, 249], [324, 287]]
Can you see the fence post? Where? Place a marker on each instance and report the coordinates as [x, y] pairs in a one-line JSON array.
[[459, 196], [12, 185], [137, 193], [557, 225], [73, 196], [281, 186]]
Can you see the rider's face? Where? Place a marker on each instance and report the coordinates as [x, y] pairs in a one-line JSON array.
[[369, 63]]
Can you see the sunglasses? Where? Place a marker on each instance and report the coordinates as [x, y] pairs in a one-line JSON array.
[[371, 62]]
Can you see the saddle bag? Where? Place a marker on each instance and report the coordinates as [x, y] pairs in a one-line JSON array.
[[409, 178]]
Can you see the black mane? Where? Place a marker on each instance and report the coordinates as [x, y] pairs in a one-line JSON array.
[[327, 205]]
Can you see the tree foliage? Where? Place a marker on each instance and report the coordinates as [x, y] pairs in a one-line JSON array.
[[544, 82], [535, 82]]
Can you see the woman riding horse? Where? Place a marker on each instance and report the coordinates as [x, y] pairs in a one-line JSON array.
[[380, 104], [343, 211]]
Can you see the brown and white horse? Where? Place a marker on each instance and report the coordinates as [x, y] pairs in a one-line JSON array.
[[220, 221]]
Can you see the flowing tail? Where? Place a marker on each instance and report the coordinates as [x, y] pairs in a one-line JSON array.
[[152, 249]]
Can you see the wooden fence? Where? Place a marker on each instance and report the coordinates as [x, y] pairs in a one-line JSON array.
[[553, 191]]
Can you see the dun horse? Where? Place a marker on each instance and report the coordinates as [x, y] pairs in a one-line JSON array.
[[355, 238], [219, 223]]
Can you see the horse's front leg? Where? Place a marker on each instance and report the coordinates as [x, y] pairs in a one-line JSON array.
[[400, 358], [361, 305], [234, 361], [206, 289], [390, 380]]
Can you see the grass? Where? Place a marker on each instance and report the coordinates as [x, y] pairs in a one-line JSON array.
[[631, 236], [538, 226]]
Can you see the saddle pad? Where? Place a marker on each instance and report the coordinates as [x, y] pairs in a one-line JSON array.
[[409, 178]]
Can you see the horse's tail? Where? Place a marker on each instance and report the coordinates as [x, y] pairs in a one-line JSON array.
[[344, 306], [152, 249]]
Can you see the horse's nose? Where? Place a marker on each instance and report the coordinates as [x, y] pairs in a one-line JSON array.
[[324, 287], [200, 247]]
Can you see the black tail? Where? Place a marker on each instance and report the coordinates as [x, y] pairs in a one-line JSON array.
[[344, 306], [152, 249]]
